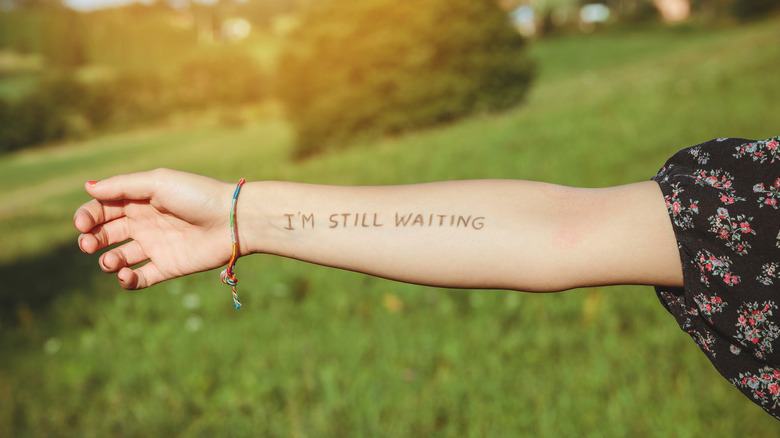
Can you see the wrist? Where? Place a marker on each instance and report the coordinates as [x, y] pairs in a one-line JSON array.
[[252, 217]]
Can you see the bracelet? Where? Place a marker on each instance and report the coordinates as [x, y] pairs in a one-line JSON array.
[[228, 277]]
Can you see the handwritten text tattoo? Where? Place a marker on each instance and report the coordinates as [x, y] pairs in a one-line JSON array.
[[304, 221]]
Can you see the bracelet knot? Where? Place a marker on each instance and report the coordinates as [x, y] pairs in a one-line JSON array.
[[228, 279]]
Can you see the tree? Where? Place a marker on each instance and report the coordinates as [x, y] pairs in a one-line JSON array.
[[748, 9], [374, 67], [65, 39]]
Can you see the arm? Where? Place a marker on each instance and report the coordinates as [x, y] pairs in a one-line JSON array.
[[478, 234]]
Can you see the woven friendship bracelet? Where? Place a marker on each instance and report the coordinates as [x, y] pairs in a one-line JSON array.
[[228, 276]]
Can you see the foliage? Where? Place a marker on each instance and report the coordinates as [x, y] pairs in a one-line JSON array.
[[382, 66], [221, 75], [65, 39], [632, 10], [59, 107], [750, 9], [151, 44], [55, 110], [22, 31], [98, 71], [141, 37], [65, 107]]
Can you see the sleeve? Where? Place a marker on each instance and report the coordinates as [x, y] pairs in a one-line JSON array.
[[722, 198]]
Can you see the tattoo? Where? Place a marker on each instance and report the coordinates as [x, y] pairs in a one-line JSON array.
[[438, 220], [344, 220], [303, 221]]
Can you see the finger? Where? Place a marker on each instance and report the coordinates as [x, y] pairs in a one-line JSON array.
[[140, 278], [105, 235], [96, 212], [126, 255], [139, 185]]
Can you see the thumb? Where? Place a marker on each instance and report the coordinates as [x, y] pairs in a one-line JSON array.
[[139, 185]]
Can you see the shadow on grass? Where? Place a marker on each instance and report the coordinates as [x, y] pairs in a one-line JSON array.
[[31, 285]]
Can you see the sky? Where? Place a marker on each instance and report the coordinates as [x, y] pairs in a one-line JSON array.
[[91, 5]]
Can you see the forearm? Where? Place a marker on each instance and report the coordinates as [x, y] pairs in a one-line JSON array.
[[477, 234]]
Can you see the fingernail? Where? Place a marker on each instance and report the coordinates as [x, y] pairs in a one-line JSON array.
[[92, 183], [102, 261], [79, 243]]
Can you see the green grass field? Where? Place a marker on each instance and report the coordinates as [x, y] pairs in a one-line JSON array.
[[318, 352]]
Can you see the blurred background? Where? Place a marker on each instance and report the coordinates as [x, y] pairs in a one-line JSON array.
[[584, 93]]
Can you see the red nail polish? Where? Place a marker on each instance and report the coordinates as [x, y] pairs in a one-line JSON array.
[[92, 183]]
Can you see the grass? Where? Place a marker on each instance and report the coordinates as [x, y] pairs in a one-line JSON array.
[[318, 352]]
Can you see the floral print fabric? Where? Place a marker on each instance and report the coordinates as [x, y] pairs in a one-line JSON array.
[[722, 198]]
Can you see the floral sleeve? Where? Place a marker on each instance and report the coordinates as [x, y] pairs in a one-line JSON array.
[[722, 198]]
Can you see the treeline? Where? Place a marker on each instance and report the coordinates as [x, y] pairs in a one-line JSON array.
[[346, 71], [648, 10], [65, 106], [740, 9], [113, 67]]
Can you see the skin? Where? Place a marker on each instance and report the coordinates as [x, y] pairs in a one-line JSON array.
[[502, 234]]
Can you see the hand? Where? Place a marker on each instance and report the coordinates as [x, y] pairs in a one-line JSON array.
[[177, 221]]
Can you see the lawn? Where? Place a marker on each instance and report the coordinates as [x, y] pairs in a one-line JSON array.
[[318, 352]]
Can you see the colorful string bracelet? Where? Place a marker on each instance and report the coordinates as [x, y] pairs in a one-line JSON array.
[[228, 276]]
